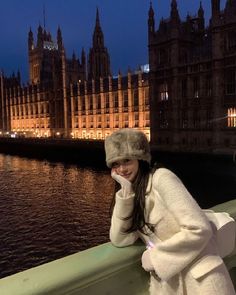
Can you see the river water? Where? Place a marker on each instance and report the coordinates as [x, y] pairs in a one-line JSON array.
[[50, 209]]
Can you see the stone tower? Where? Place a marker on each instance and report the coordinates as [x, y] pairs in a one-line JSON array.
[[99, 59], [44, 56]]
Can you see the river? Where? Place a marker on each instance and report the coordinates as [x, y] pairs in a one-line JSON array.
[[49, 210]]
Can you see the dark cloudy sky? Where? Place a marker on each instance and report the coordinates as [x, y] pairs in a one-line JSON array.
[[124, 23]]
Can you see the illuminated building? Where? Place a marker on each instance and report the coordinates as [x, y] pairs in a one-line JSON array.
[[72, 98]]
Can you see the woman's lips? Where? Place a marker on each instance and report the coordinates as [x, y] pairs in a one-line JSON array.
[[126, 175]]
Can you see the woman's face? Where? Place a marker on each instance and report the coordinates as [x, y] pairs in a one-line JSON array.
[[126, 168]]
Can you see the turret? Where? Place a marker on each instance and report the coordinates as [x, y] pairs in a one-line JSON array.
[[40, 36], [230, 7], [59, 39], [18, 77], [83, 57], [201, 20], [30, 40], [215, 8], [174, 14]]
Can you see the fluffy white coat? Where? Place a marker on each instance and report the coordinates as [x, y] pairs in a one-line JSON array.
[[185, 256]]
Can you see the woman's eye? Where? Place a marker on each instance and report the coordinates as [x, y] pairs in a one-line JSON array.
[[115, 165]]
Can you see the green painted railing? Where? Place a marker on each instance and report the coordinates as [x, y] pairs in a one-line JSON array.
[[101, 270]]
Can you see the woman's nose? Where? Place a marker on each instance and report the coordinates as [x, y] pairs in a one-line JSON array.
[[123, 168]]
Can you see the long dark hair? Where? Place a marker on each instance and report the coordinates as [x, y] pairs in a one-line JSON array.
[[139, 187]]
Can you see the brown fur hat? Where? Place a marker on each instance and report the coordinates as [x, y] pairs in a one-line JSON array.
[[127, 143]]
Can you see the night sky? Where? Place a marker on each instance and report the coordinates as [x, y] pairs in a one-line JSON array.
[[124, 24]]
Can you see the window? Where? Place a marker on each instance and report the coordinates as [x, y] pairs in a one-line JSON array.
[[91, 121], [90, 98], [230, 42], [196, 87], [164, 92], [125, 99], [147, 120], [184, 88], [82, 103], [126, 123], [146, 96], [107, 121], [208, 88], [163, 120], [184, 118], [163, 56], [99, 125], [84, 122], [116, 123], [230, 82], [115, 99], [107, 103], [208, 118], [135, 97], [98, 102], [136, 120], [232, 117], [196, 119]]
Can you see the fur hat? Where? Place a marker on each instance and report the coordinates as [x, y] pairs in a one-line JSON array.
[[127, 143]]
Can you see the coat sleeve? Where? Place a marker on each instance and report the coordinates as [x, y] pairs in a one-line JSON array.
[[120, 221], [171, 256]]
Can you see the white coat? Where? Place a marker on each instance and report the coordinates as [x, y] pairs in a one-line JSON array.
[[185, 256]]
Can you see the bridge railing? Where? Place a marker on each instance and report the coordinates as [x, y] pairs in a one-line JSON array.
[[100, 270]]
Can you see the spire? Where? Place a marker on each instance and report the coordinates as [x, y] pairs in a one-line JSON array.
[[98, 39], [151, 11], [83, 57], [99, 59], [59, 38], [174, 14], [215, 8], [30, 40], [40, 36], [73, 56], [230, 6], [18, 76], [151, 21], [201, 20], [200, 10], [97, 18], [44, 17]]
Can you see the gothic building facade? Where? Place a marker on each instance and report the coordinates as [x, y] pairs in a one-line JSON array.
[[192, 79], [73, 97], [187, 101]]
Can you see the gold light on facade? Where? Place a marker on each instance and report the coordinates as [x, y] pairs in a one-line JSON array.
[[232, 117]]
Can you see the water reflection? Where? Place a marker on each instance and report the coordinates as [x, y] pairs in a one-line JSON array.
[[49, 210]]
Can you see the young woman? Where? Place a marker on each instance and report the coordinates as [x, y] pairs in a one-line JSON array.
[[181, 254]]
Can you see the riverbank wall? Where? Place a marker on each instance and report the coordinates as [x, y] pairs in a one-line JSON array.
[[87, 152]]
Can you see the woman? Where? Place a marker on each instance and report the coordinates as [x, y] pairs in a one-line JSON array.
[[181, 254]]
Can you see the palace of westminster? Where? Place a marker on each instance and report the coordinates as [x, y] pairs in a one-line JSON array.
[[186, 101]]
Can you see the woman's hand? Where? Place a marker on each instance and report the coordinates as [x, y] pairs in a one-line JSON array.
[[126, 185], [146, 261]]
